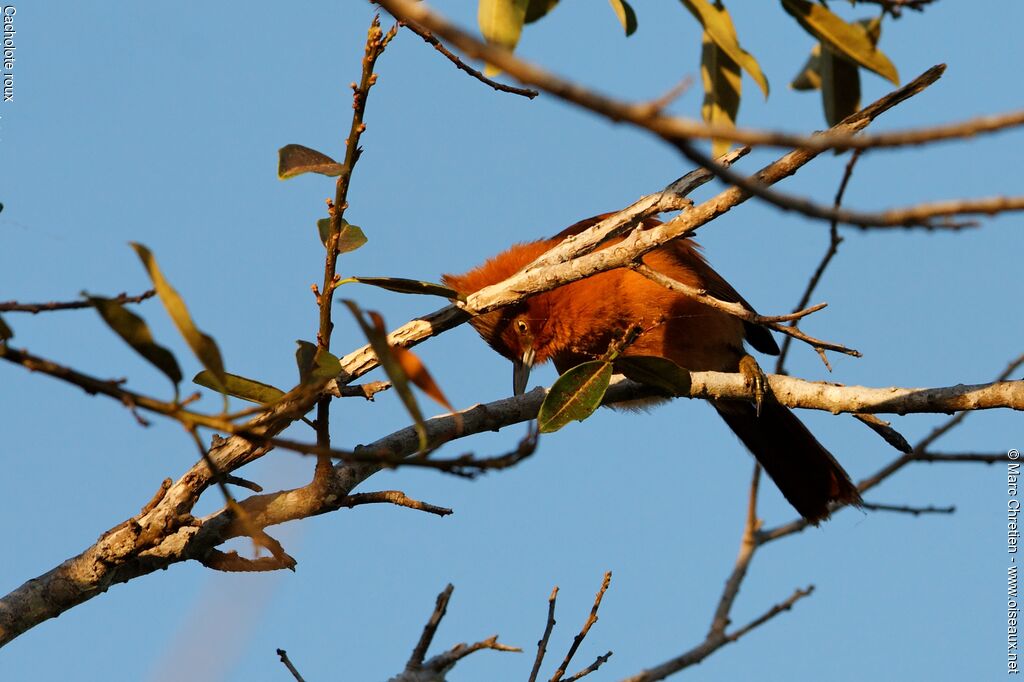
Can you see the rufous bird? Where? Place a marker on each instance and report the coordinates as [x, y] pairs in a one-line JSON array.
[[578, 321]]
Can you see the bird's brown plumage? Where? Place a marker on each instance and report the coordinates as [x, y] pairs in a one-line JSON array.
[[577, 321]]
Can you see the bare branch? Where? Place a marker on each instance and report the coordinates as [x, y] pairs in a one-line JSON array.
[[418, 670], [430, 629], [711, 645], [542, 644], [396, 497], [429, 38], [737, 310], [288, 664], [35, 308], [834, 240], [885, 430], [905, 509], [578, 639]]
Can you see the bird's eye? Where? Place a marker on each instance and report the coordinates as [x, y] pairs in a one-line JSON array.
[[522, 327]]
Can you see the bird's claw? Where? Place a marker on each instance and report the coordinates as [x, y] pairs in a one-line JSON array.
[[755, 378]]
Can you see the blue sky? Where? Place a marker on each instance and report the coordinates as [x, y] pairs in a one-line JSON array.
[[160, 124]]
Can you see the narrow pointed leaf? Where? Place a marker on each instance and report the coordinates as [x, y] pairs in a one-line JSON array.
[[350, 239], [410, 286], [853, 41], [809, 77], [722, 87], [294, 159], [418, 374], [241, 387], [655, 371], [840, 86], [501, 23], [5, 331], [719, 28], [536, 9], [626, 15], [202, 345], [575, 395], [376, 334], [136, 333]]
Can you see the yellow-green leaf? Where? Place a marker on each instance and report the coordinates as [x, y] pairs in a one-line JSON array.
[[136, 333], [204, 347], [722, 87], [853, 41], [718, 26], [809, 77], [241, 387], [536, 9], [501, 23], [409, 286], [840, 86], [655, 371], [5, 331], [575, 395], [350, 239], [315, 363], [626, 15], [294, 159], [376, 334]]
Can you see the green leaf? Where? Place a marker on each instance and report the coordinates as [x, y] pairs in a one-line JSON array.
[[350, 239], [304, 355], [575, 395], [5, 331], [538, 8], [202, 345], [840, 86], [626, 15], [501, 23], [410, 286], [718, 26], [377, 335], [315, 363], [136, 333], [809, 77], [655, 371], [853, 41], [294, 159], [241, 387], [722, 87]]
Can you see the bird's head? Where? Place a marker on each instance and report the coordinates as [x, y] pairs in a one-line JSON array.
[[522, 332]]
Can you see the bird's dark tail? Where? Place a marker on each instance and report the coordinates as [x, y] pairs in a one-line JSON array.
[[806, 473]]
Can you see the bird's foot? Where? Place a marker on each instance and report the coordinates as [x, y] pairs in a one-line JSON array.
[[755, 378]]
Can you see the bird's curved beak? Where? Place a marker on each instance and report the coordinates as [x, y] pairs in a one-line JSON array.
[[521, 371]]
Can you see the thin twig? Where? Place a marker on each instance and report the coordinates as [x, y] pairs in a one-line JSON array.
[[578, 639], [35, 308], [739, 311], [395, 497], [542, 644], [429, 38], [834, 240], [288, 664], [713, 644], [376, 42], [430, 629], [906, 509]]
